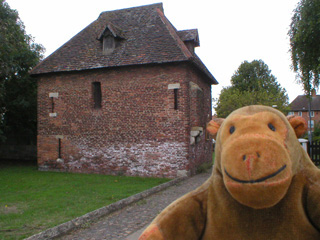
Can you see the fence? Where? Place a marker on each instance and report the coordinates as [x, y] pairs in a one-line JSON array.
[[314, 152]]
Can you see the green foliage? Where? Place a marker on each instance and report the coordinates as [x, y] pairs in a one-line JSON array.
[[316, 133], [18, 55], [32, 201], [203, 168], [252, 84], [304, 36]]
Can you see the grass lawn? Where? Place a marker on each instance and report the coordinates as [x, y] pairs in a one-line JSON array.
[[32, 201]]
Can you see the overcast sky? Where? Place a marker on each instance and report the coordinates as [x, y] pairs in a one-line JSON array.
[[230, 31]]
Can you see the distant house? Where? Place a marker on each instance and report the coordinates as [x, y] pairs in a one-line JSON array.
[[126, 95], [300, 107]]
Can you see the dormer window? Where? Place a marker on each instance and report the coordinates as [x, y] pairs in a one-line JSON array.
[[190, 38], [108, 44], [110, 38]]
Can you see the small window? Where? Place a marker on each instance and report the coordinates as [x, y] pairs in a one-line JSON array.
[[312, 113], [108, 44], [300, 114], [52, 97], [52, 105], [290, 113], [97, 96], [59, 148], [175, 92], [175, 87]]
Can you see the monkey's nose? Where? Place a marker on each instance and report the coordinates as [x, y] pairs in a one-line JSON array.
[[245, 157]]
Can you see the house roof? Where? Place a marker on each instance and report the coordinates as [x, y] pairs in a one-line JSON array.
[[301, 103], [144, 36]]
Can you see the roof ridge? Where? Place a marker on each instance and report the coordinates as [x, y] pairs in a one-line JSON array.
[[154, 5], [190, 29], [301, 103]]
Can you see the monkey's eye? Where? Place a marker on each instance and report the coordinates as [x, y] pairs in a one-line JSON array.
[[272, 128], [232, 129]]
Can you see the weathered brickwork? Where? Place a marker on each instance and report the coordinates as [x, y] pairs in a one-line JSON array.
[[136, 131], [200, 115]]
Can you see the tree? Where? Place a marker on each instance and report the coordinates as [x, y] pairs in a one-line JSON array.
[[251, 84], [304, 36], [316, 133], [18, 55]]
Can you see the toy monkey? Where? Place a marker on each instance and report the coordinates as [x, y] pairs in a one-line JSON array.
[[263, 185]]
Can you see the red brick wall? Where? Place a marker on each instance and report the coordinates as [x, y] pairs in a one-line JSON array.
[[200, 115], [136, 132]]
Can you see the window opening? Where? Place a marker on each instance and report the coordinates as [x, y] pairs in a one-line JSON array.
[[97, 96], [59, 148], [52, 96], [175, 92], [108, 44], [52, 105], [312, 113], [311, 124]]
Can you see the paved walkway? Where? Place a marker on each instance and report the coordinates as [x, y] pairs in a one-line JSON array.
[[128, 223]]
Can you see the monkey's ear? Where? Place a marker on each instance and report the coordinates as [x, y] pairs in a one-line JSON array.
[[214, 125], [298, 124]]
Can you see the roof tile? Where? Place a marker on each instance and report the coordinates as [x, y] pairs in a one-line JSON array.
[[301, 103]]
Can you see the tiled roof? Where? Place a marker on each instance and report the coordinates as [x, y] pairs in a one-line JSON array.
[[301, 103], [143, 34]]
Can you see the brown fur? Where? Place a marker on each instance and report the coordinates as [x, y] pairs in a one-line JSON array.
[[263, 185]]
